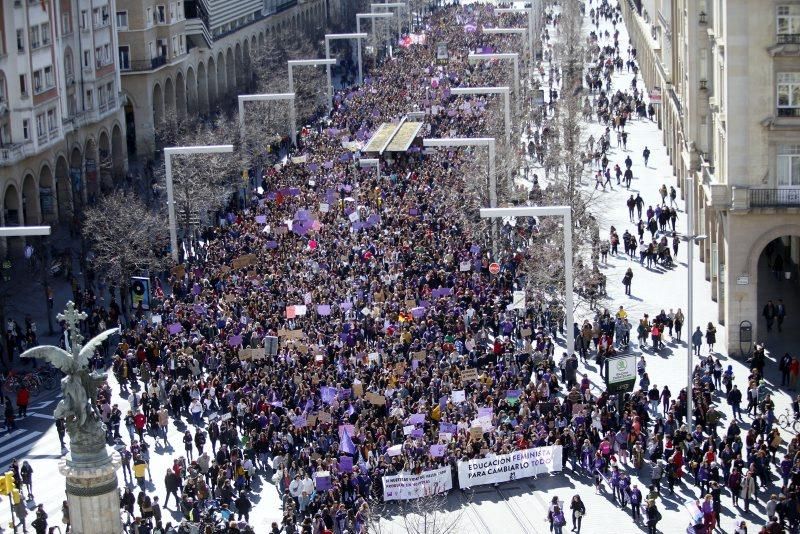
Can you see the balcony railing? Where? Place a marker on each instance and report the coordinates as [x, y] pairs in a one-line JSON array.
[[788, 112], [774, 198], [10, 154], [788, 38], [147, 64]]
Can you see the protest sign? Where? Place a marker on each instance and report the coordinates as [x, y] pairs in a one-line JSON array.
[[402, 487], [468, 375], [322, 480], [458, 396], [358, 388], [512, 466], [376, 399]]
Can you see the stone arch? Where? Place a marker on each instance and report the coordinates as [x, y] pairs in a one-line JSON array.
[[158, 105], [106, 165], [117, 154], [169, 96], [91, 168], [221, 85], [191, 90], [180, 95], [766, 238], [48, 202], [211, 78], [230, 68], [31, 211], [238, 62], [76, 176], [202, 88], [261, 40], [63, 192], [247, 74], [12, 216]]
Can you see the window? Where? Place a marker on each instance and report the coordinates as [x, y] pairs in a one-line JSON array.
[[23, 86], [34, 32], [87, 58], [150, 49], [68, 74], [180, 40], [66, 23], [104, 15], [162, 16], [180, 11], [26, 133], [20, 41], [45, 34], [89, 103], [52, 124], [110, 93], [49, 79], [96, 17], [124, 58], [122, 20], [174, 46], [41, 125], [788, 94], [148, 20], [789, 165], [171, 12], [84, 19], [788, 20], [101, 96], [38, 87]]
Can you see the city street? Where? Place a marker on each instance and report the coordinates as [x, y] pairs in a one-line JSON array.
[[518, 506]]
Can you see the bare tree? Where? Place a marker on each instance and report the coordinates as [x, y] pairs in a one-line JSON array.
[[126, 238], [426, 515]]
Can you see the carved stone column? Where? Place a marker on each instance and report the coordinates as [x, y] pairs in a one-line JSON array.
[[92, 492]]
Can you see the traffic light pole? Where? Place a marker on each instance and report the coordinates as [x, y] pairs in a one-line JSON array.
[[11, 509]]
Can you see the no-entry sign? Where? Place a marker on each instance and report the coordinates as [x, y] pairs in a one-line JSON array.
[[494, 268]]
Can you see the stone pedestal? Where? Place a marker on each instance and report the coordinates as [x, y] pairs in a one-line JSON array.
[[92, 492]]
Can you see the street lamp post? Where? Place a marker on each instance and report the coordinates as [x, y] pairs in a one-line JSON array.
[[308, 63], [333, 36], [490, 91], [396, 5], [266, 97], [522, 32], [371, 16], [531, 23], [513, 56], [489, 143], [691, 240], [169, 152], [560, 211]]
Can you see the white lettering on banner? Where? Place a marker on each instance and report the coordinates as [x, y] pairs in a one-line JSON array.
[[520, 464], [402, 487]]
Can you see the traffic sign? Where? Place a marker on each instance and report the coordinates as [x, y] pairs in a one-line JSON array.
[[494, 268]]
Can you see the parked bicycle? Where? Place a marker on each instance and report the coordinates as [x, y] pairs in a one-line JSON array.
[[788, 420]]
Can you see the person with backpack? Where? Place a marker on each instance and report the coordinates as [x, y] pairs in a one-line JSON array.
[[653, 517]]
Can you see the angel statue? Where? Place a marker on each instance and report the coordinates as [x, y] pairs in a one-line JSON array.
[[79, 386]]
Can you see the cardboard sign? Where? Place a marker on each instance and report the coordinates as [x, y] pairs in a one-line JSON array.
[[324, 417], [476, 432], [468, 375], [311, 420], [245, 354], [225, 417], [290, 334], [178, 271], [464, 266], [458, 396], [244, 260], [526, 332], [358, 389], [420, 355], [258, 353], [376, 399]]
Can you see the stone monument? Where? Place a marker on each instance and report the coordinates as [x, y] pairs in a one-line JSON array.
[[90, 470]]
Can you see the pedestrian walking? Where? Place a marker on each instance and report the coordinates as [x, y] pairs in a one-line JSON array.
[[626, 280], [697, 341], [578, 511]]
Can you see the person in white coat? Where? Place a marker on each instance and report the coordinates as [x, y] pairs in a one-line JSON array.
[[748, 490]]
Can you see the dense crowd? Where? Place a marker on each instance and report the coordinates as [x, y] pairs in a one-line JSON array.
[[393, 337]]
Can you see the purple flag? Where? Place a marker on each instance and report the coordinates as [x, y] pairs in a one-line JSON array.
[[437, 451], [261, 219], [235, 341], [345, 464], [324, 309], [346, 443], [449, 428], [174, 328]]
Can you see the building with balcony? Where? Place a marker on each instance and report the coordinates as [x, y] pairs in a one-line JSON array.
[[186, 56], [61, 123], [729, 77]]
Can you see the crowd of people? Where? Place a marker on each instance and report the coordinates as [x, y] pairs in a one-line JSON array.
[[340, 326]]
